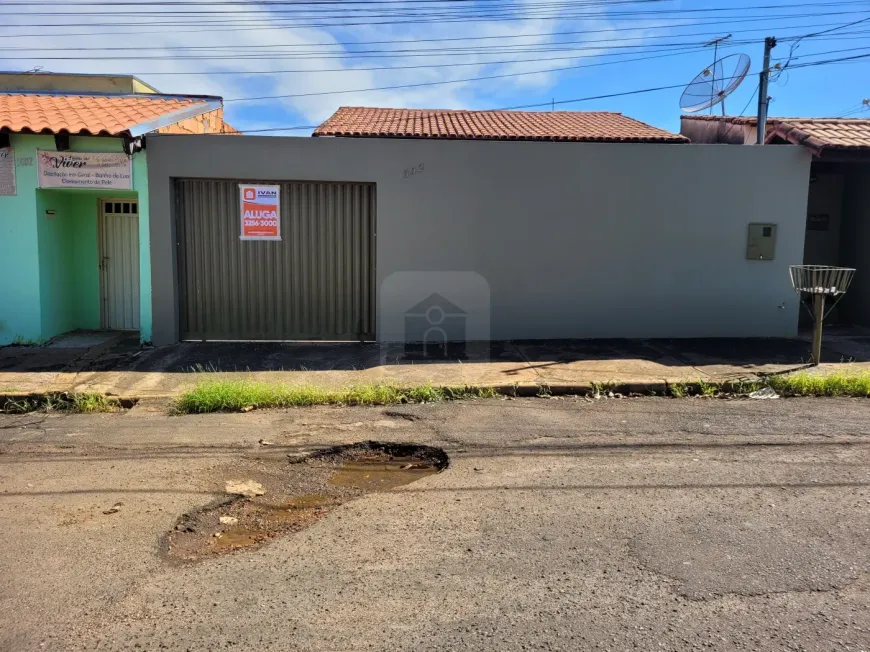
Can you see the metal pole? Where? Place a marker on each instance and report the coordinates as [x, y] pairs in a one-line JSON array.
[[818, 317], [713, 81], [763, 99], [715, 43]]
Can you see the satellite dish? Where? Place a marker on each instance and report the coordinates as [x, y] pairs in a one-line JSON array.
[[715, 83]]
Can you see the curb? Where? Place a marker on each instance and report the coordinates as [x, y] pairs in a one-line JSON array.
[[525, 390], [40, 398], [650, 388]]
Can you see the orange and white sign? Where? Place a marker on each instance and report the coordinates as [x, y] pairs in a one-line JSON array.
[[261, 212]]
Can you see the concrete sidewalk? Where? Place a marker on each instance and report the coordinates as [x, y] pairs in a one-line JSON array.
[[116, 365]]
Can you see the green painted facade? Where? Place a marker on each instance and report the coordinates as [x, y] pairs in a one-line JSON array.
[[49, 248]]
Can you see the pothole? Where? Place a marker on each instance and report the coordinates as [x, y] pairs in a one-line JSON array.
[[296, 492]]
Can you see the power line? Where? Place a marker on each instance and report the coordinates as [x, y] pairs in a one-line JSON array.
[[431, 40], [294, 3], [294, 24], [822, 63], [283, 27], [527, 106], [864, 105], [372, 54], [438, 83], [580, 99], [782, 68], [294, 128], [686, 49], [850, 59], [469, 8], [488, 77], [670, 53], [268, 57], [556, 46], [525, 9]]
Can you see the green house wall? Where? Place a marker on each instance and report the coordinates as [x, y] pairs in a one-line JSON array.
[[49, 249]]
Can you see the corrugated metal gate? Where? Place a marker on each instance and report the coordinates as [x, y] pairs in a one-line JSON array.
[[316, 283]]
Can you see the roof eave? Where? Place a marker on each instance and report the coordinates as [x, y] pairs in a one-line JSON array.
[[664, 139], [174, 116], [795, 136], [51, 132]]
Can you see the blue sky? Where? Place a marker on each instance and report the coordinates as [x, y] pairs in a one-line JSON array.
[[193, 46]]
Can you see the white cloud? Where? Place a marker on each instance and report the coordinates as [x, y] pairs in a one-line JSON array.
[[243, 42]]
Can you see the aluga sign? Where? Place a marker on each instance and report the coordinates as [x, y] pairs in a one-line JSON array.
[[260, 210]]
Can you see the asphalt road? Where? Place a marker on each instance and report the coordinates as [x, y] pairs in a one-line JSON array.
[[647, 524]]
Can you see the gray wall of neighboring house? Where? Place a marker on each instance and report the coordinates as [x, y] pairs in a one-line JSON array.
[[855, 243], [574, 240], [717, 131]]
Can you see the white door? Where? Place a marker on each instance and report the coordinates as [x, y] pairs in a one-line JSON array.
[[119, 264]]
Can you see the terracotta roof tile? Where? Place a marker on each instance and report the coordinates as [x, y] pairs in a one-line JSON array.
[[492, 125], [816, 133], [85, 114], [823, 133]]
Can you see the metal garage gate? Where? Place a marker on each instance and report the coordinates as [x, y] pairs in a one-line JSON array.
[[316, 283]]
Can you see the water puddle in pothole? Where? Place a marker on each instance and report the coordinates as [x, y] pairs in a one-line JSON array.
[[298, 492], [255, 521], [379, 474]]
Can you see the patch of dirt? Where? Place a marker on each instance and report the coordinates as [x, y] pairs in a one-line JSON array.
[[298, 492]]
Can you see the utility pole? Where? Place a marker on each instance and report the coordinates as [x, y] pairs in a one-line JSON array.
[[763, 99]]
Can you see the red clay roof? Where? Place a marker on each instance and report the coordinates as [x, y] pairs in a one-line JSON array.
[[109, 115], [823, 133], [817, 134], [367, 122]]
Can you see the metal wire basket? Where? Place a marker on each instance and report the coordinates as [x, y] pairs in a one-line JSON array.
[[820, 279]]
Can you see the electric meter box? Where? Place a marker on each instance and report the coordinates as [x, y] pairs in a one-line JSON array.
[[761, 244]]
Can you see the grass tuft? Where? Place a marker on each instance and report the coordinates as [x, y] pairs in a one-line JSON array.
[[77, 402], [847, 383], [678, 390], [244, 395], [90, 402], [841, 383]]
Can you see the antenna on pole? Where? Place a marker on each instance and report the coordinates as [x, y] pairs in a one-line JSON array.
[[715, 43]]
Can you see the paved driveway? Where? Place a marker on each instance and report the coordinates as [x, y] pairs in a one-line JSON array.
[[646, 524]]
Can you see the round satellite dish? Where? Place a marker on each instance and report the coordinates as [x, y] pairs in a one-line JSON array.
[[715, 83]]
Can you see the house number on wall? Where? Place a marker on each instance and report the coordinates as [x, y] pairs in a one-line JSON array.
[[414, 169]]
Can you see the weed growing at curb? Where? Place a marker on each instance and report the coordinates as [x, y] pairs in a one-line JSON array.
[[708, 389], [76, 402], [244, 395], [89, 402], [842, 383], [802, 383], [678, 390]]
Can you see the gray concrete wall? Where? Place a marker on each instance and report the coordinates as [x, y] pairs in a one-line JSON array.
[[717, 131], [855, 243], [574, 240]]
